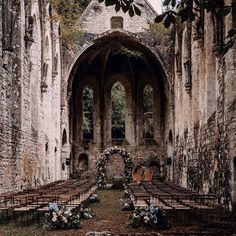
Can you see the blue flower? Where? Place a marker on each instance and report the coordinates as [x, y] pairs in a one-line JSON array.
[[155, 221], [142, 213], [53, 206]]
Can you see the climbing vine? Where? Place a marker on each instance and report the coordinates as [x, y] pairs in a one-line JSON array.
[[69, 12]]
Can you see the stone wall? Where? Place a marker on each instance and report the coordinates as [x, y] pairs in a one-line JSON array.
[[95, 24], [96, 18], [196, 115], [30, 108], [204, 115]]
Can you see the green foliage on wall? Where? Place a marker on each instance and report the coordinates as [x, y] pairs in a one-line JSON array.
[[118, 102], [69, 12], [87, 98]]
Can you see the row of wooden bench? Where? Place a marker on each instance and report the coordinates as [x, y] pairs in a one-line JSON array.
[[69, 193], [169, 196]]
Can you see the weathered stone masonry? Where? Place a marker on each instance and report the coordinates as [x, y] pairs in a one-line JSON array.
[[205, 119], [30, 109], [41, 103]]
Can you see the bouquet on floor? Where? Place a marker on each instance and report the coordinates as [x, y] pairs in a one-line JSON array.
[[61, 218], [94, 198], [151, 216], [85, 213], [127, 203]]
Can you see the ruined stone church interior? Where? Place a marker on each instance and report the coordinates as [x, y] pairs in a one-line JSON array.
[[94, 94]]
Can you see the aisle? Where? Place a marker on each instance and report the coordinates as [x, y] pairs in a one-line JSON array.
[[108, 214]]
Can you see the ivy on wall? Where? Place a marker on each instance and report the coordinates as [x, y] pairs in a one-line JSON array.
[[69, 12]]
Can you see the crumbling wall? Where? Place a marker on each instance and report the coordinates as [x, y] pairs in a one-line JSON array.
[[29, 123], [204, 116]]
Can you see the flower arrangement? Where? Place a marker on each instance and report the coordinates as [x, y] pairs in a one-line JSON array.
[[127, 203], [85, 213], [151, 216], [62, 218], [94, 198], [102, 164]]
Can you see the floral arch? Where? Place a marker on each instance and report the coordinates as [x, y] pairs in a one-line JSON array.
[[102, 164]]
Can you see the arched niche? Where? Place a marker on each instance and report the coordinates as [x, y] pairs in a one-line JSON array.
[[83, 163], [170, 156], [64, 137]]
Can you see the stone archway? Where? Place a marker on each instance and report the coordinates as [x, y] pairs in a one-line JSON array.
[[96, 67], [102, 164]]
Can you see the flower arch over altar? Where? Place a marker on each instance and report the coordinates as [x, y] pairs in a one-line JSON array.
[[102, 166]]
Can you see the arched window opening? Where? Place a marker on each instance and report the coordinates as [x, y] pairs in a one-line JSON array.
[[30, 29], [83, 162], [47, 44], [64, 137], [148, 105], [55, 64], [117, 22], [118, 111], [87, 103], [50, 11], [170, 137]]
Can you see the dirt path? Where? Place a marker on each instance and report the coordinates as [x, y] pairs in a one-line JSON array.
[[108, 214]]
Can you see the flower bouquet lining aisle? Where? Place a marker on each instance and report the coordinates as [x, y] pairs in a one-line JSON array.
[[63, 218], [150, 216]]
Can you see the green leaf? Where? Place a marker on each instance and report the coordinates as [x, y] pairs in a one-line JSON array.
[[172, 19], [131, 11], [117, 7], [137, 10], [125, 7], [166, 2], [184, 14], [173, 3], [110, 2], [167, 21], [160, 17]]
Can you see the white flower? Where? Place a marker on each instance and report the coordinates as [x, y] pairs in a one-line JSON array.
[[64, 219]]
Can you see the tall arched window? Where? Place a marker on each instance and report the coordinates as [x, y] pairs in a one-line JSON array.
[[118, 111], [87, 103], [148, 105], [83, 162], [64, 137]]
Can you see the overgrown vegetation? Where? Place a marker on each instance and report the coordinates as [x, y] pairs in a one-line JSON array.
[[87, 99], [69, 12], [118, 102], [187, 10], [131, 53]]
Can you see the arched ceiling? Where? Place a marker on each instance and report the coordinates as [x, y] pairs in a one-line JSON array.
[[113, 46]]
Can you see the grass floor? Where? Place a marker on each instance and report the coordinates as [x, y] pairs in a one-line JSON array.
[[109, 217]]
